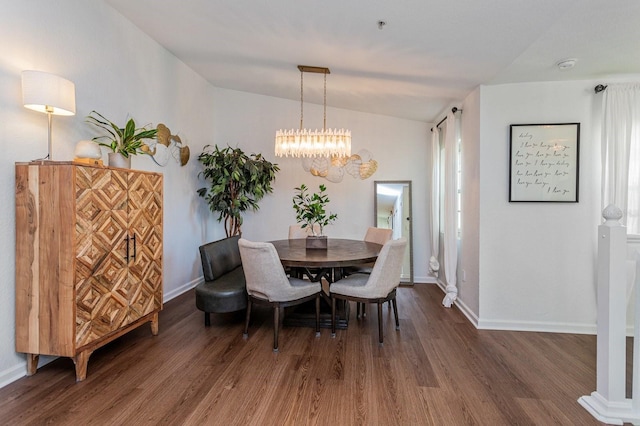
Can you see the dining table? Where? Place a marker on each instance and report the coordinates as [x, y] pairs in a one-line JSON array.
[[325, 266]]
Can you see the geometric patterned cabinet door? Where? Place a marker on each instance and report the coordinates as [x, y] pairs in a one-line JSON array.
[[88, 257]]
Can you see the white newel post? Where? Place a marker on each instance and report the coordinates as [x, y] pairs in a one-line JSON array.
[[608, 403]]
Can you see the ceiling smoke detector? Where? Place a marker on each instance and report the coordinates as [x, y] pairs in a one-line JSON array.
[[566, 64]]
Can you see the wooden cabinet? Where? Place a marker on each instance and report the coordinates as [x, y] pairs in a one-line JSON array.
[[88, 257]]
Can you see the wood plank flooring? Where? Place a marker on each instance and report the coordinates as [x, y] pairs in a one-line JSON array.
[[436, 370]]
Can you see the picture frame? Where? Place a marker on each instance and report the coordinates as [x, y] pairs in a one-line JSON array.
[[544, 162]]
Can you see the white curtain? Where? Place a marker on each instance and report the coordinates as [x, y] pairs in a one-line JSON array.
[[450, 209], [621, 152], [434, 225]]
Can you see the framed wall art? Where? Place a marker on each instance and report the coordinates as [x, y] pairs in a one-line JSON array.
[[544, 162]]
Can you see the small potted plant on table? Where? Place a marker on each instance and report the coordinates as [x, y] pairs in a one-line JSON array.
[[310, 210]]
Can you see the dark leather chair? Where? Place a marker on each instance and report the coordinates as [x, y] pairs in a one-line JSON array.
[[224, 288]]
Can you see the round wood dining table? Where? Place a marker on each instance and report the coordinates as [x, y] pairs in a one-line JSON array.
[[317, 264], [339, 254]]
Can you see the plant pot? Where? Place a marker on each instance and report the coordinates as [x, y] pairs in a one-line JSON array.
[[118, 160], [317, 243]]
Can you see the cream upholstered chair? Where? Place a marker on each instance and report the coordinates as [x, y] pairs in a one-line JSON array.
[[267, 283], [377, 287], [378, 235], [373, 235], [297, 231]]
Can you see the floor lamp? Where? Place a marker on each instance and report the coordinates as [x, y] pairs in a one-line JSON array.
[[50, 94]]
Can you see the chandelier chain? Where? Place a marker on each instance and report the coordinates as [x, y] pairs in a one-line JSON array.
[[324, 122], [301, 99]]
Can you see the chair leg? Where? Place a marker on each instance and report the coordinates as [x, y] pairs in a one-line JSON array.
[[380, 322], [246, 320], [207, 319], [276, 325], [361, 310], [318, 315], [333, 317], [395, 312]]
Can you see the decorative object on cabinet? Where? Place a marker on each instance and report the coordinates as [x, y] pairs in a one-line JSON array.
[[168, 145], [88, 258], [360, 166], [309, 143], [87, 152], [116, 159], [237, 182], [310, 211], [544, 162], [125, 141], [87, 149], [50, 94]]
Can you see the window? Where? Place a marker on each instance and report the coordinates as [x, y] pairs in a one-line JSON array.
[[621, 152], [458, 181]]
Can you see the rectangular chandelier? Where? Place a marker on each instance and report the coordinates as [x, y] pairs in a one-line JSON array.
[[313, 143]]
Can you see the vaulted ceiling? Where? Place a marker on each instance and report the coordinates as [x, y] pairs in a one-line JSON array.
[[426, 57]]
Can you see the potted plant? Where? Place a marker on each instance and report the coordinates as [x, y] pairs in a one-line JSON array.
[[237, 182], [310, 210], [122, 141]]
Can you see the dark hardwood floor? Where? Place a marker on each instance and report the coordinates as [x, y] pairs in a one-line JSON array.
[[436, 370]]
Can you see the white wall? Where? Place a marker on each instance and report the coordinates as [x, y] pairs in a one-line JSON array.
[[537, 260], [117, 71]]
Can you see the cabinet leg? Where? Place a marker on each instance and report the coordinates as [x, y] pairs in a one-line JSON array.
[[32, 364], [154, 324], [81, 360]]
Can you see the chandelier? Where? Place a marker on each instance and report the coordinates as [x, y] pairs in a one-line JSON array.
[[313, 143]]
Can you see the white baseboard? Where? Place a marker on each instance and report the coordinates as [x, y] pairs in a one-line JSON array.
[[18, 371], [506, 325], [467, 312], [182, 289], [537, 326], [12, 374], [424, 280]]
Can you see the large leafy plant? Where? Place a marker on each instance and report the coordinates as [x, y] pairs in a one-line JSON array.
[[236, 183], [127, 140], [310, 208]]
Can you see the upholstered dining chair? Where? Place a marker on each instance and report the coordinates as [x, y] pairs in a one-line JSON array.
[[378, 287], [378, 235], [268, 284], [373, 235]]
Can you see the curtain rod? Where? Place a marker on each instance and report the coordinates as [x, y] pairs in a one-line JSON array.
[[600, 88], [453, 110]]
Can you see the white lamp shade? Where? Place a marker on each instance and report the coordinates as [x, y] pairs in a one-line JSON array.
[[46, 92]]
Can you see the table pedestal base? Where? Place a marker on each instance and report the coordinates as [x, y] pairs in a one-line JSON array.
[[304, 315]]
